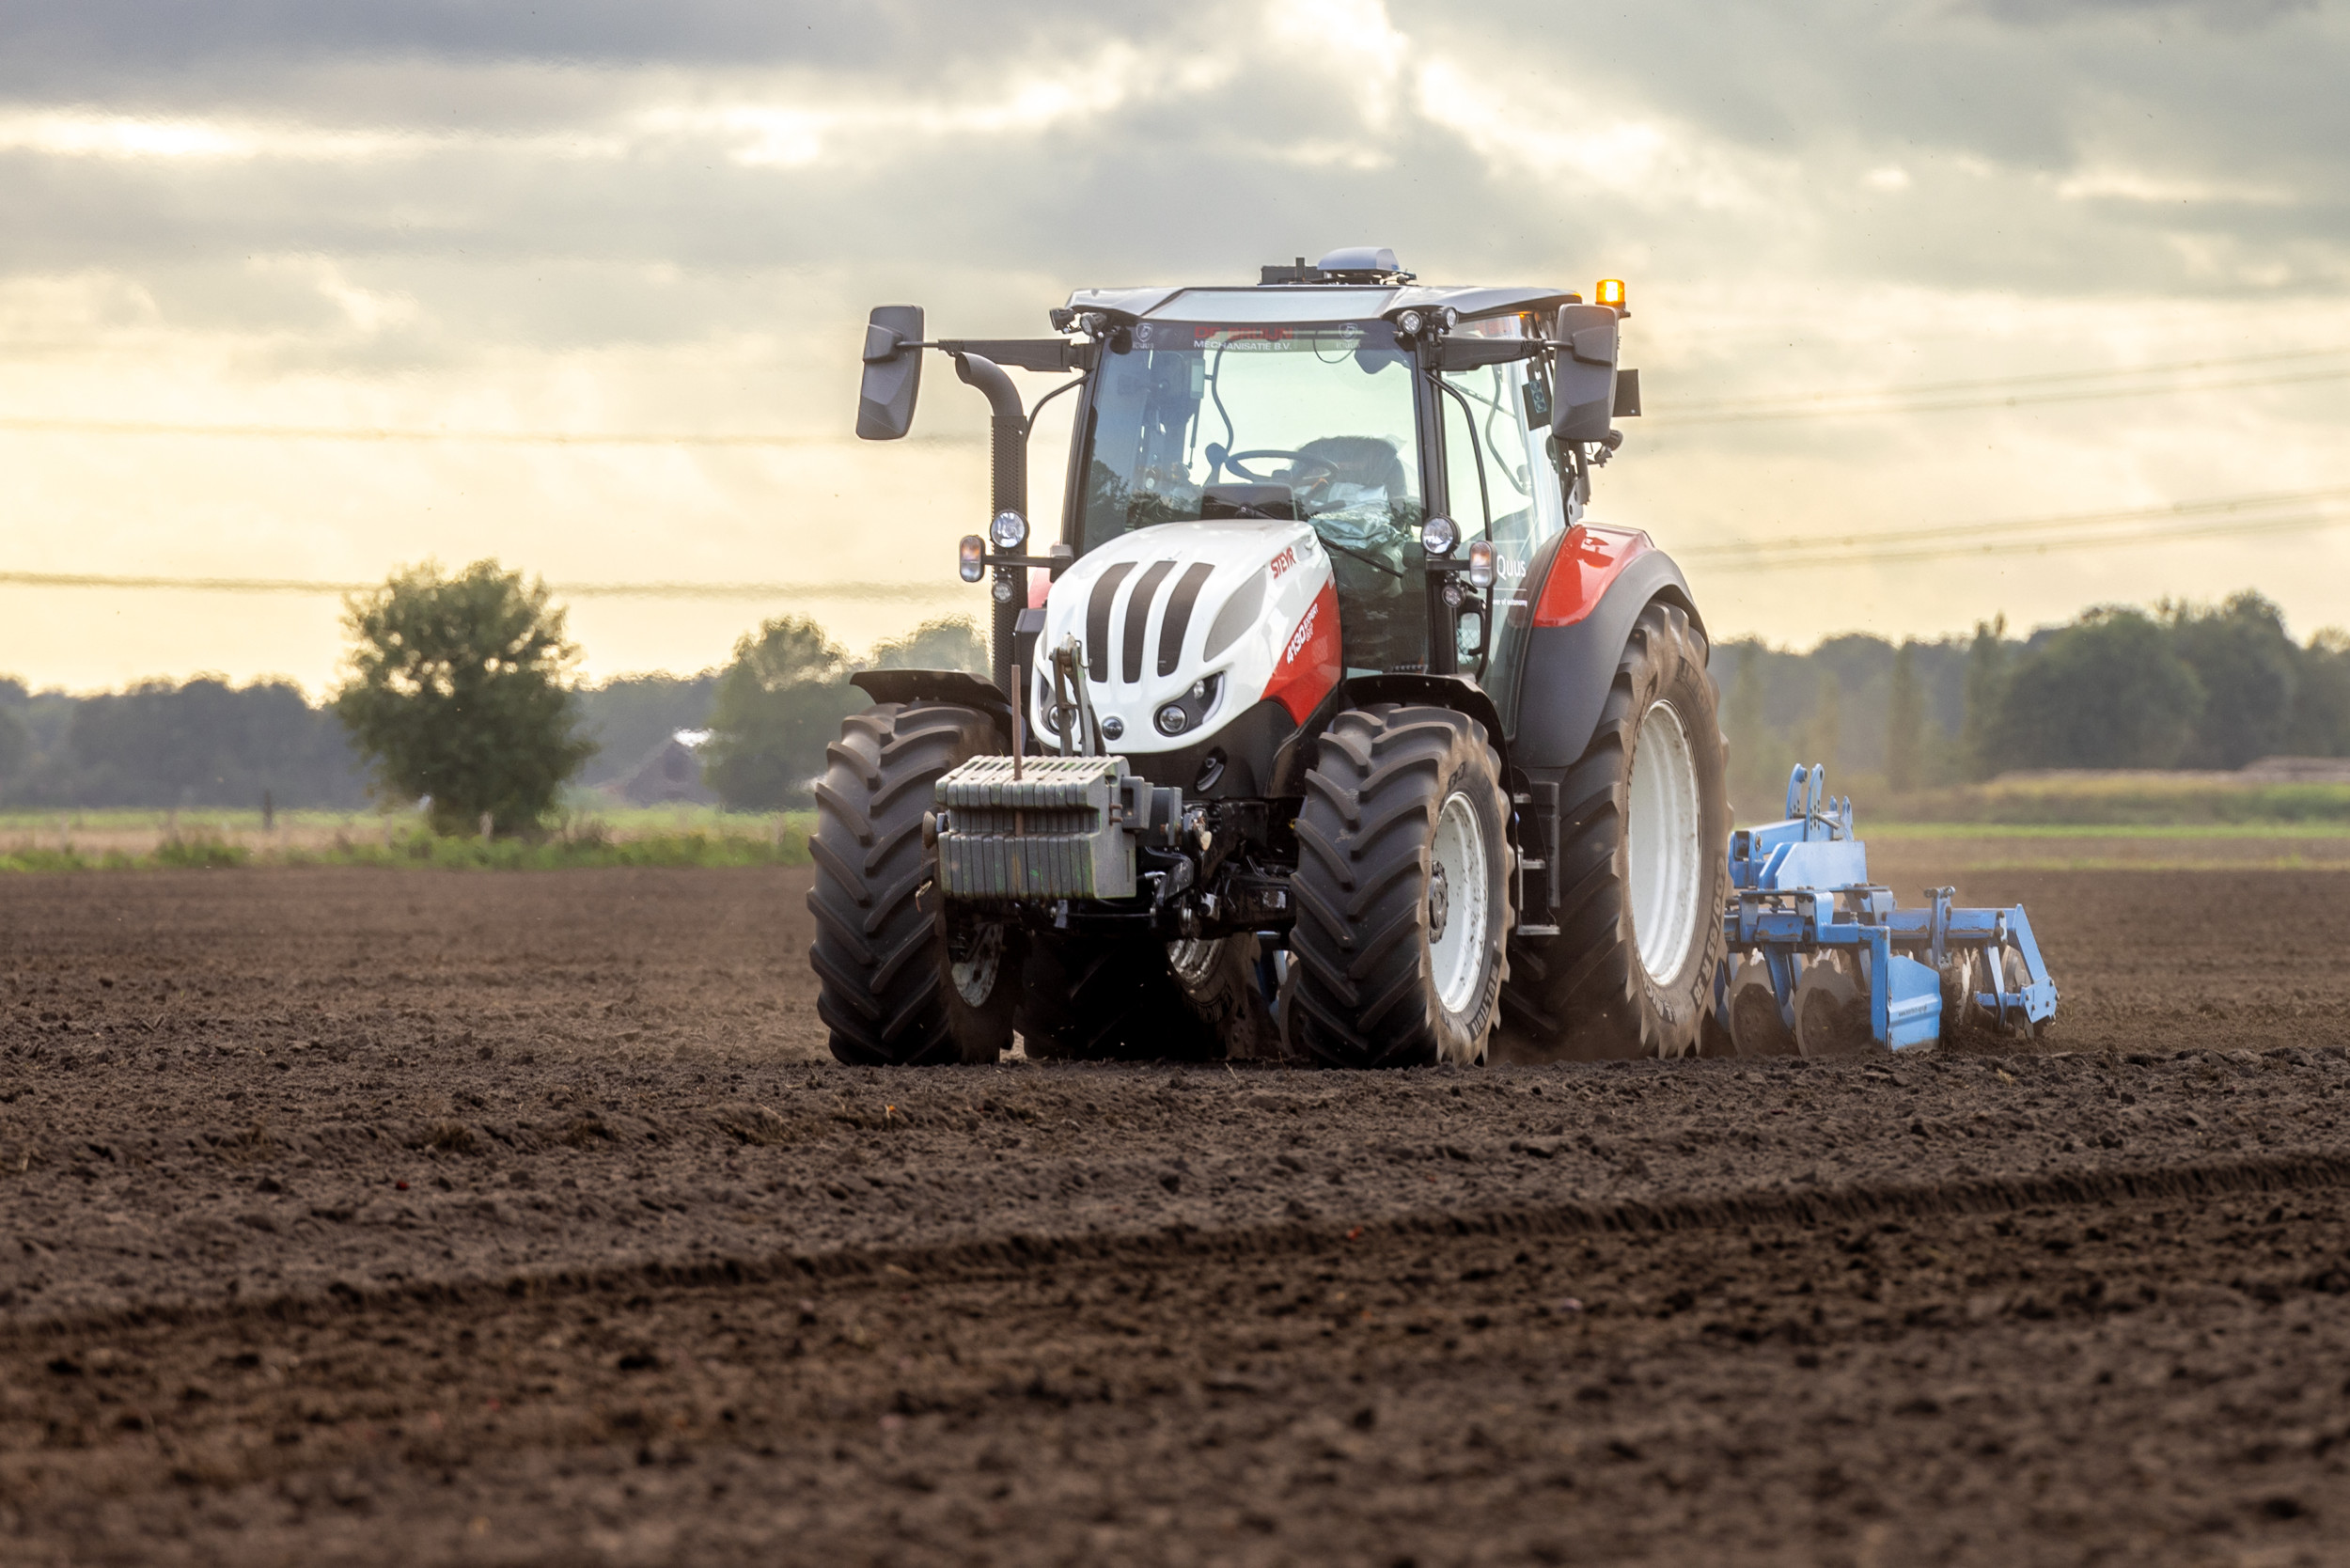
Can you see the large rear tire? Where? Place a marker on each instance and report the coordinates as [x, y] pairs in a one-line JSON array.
[[1402, 892], [1644, 832], [895, 985], [1092, 997]]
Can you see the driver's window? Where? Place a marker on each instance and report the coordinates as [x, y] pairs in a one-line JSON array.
[[1501, 486]]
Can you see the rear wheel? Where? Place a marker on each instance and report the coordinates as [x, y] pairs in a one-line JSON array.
[[897, 984], [1402, 892], [1643, 829], [1092, 997]]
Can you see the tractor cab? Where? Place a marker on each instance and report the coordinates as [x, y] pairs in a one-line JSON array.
[[1345, 398]]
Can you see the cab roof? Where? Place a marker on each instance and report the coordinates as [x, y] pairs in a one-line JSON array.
[[1360, 283], [1305, 302]]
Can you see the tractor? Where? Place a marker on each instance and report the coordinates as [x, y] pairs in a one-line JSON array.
[[1328, 727]]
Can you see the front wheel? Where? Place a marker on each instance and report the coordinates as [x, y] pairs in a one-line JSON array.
[[1643, 838], [1402, 890], [898, 985]]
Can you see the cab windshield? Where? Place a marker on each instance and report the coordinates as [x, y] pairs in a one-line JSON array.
[[1311, 423]]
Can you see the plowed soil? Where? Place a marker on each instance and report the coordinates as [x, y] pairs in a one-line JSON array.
[[400, 1216]]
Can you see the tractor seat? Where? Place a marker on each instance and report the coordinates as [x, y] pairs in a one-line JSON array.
[[1361, 460]]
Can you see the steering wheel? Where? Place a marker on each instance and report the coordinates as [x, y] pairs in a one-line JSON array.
[[1235, 460]]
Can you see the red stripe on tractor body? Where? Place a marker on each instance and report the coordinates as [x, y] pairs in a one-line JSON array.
[[1309, 664]]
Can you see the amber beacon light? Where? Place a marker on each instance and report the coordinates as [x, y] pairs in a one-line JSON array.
[[1610, 291]]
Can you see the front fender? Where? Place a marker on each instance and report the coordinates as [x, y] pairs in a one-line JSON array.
[[938, 685], [1456, 692]]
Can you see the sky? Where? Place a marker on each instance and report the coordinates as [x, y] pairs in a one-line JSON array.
[[1925, 293]]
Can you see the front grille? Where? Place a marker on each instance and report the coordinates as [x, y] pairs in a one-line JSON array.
[[1134, 632]]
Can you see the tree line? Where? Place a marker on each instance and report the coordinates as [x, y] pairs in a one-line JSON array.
[[461, 691], [2174, 685]]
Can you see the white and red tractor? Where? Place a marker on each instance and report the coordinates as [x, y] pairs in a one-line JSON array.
[[1328, 727]]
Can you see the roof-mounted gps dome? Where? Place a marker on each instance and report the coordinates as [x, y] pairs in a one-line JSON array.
[[1355, 264]]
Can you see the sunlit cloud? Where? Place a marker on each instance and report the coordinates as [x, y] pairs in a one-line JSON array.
[[634, 231]]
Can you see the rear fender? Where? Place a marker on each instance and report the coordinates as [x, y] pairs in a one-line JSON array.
[[938, 685], [1569, 667]]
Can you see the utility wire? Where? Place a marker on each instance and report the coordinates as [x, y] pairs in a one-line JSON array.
[[1992, 383], [1887, 402], [828, 591], [2219, 506], [1897, 553], [368, 433]]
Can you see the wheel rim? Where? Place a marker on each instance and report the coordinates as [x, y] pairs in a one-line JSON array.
[[1667, 869], [1192, 958], [975, 977], [1458, 904]]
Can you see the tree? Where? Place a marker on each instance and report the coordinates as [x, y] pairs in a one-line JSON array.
[[778, 704], [206, 743], [1986, 685], [2321, 698], [2106, 692], [2247, 666], [948, 643], [1905, 724], [456, 694], [16, 736], [1824, 731], [1743, 718]]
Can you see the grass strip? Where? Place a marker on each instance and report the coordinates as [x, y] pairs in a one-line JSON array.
[[421, 851]]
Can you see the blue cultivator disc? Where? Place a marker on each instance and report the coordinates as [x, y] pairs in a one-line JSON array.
[[1821, 963]]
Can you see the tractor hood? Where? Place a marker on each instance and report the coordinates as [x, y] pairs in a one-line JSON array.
[[1184, 626]]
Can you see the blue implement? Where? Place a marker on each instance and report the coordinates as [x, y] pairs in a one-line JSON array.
[[1894, 977]]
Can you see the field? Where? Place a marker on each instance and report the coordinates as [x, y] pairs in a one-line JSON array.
[[520, 1219]]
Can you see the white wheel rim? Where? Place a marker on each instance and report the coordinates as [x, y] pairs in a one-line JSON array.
[[1459, 895], [1191, 958], [1666, 867], [975, 977]]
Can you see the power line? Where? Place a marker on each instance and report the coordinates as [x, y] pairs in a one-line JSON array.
[[397, 434], [1899, 553], [1888, 405], [1992, 383], [2208, 506], [826, 591]]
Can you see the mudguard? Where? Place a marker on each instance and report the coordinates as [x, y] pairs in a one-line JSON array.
[[1580, 625], [938, 685], [1456, 692]]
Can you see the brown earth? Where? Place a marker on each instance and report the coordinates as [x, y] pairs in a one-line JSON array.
[[408, 1216]]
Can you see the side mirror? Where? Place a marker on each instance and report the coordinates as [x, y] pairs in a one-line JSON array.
[[1586, 401], [893, 372]]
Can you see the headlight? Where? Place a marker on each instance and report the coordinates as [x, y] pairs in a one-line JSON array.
[[1480, 572], [1437, 536], [974, 554], [1009, 531], [1409, 323], [1172, 720]]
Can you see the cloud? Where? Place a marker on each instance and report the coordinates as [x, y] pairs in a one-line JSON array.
[[626, 217]]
